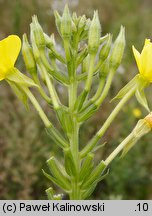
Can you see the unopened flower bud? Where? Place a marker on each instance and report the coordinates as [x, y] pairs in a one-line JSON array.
[[38, 33], [82, 22], [50, 41], [28, 55], [104, 70], [94, 34], [87, 26], [105, 49], [75, 18], [57, 20], [118, 49], [74, 28], [66, 23], [35, 49]]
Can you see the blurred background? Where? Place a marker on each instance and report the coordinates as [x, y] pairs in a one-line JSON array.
[[24, 145]]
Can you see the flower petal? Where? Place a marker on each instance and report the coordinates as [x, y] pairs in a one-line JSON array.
[[146, 62], [13, 46], [147, 41], [9, 51], [137, 56]]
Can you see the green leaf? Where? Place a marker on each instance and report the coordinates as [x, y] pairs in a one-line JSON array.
[[92, 187], [57, 172], [87, 167], [69, 163], [55, 181], [94, 175]]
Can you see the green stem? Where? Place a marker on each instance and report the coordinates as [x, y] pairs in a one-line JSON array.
[[74, 143], [43, 116], [119, 149], [90, 74], [95, 97], [106, 89], [107, 123], [50, 87], [40, 89], [74, 137]]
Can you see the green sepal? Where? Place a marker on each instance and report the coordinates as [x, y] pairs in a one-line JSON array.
[[19, 93], [20, 79], [70, 166], [140, 95], [55, 181]]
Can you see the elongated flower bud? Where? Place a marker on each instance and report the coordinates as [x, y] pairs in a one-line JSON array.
[[57, 21], [104, 70], [38, 33], [94, 34], [82, 23], [66, 23], [118, 49], [28, 55], [34, 46], [104, 52], [50, 41]]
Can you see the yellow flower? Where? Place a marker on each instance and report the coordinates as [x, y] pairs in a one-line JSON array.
[[144, 60], [9, 51], [137, 113]]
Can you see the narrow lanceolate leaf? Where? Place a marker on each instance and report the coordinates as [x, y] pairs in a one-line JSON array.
[[56, 181], [86, 193], [57, 173], [87, 167], [69, 163], [97, 172]]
